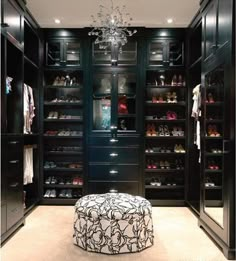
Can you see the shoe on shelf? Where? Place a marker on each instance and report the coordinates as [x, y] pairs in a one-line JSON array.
[[149, 130], [167, 164], [181, 149], [154, 99], [174, 80], [48, 180], [47, 193], [69, 193], [209, 183], [149, 165], [53, 180], [161, 130], [180, 80], [162, 164], [153, 130], [56, 81], [62, 193], [174, 97], [210, 98], [160, 99], [215, 131], [168, 97], [50, 115], [166, 130], [53, 193]]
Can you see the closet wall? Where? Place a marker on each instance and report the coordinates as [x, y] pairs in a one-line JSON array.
[[20, 145]]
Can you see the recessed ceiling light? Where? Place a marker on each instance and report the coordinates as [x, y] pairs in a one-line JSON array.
[[169, 20], [57, 21]]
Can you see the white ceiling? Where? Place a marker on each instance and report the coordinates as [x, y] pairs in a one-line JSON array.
[[148, 13]]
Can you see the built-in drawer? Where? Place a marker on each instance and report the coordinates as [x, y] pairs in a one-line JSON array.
[[116, 141], [114, 155], [14, 148], [121, 187], [110, 172]]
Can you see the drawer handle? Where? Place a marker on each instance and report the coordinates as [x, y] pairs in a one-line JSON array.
[[113, 140], [13, 161], [13, 185], [113, 171], [113, 154], [113, 190], [13, 142]]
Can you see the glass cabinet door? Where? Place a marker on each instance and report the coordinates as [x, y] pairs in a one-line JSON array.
[[54, 53], [128, 54], [126, 116], [101, 56], [102, 92], [72, 52], [175, 53], [156, 53], [214, 150]]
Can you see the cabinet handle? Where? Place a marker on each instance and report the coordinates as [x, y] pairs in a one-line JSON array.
[[113, 171], [13, 161], [113, 190], [14, 185], [113, 154], [13, 142], [113, 140]]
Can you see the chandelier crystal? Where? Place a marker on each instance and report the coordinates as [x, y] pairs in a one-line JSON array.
[[110, 28]]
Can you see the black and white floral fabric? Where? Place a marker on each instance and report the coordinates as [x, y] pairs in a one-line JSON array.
[[113, 223]]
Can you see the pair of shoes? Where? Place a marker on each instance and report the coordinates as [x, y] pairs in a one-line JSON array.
[[171, 115], [51, 133], [215, 150], [164, 130], [122, 125], [164, 164], [52, 115], [177, 131], [49, 164], [171, 97], [170, 181], [212, 165], [151, 164], [165, 149], [158, 99], [210, 98], [177, 81], [155, 182], [179, 164], [212, 131], [179, 148], [149, 150], [65, 193], [50, 193], [151, 130], [59, 81], [50, 180], [209, 183]]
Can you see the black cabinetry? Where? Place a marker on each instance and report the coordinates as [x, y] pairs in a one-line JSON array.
[[63, 52], [217, 24], [63, 122]]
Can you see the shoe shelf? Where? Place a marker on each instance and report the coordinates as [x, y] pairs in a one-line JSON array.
[[214, 154], [165, 127], [128, 115], [213, 170], [63, 136], [64, 169], [213, 104], [71, 153], [213, 138], [63, 120], [151, 103], [63, 186], [164, 187], [213, 187], [165, 86], [163, 170], [80, 103], [63, 87]]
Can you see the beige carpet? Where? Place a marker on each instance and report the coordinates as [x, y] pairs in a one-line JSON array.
[[47, 236]]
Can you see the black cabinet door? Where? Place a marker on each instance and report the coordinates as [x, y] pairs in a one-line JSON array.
[[14, 200], [71, 52], [157, 53], [210, 23], [54, 52], [224, 23], [12, 21], [3, 219]]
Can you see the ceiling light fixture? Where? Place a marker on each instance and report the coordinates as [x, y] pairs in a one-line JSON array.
[[169, 20], [57, 21], [110, 28]]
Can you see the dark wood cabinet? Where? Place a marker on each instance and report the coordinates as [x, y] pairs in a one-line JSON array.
[[13, 21], [217, 26], [165, 53], [63, 52]]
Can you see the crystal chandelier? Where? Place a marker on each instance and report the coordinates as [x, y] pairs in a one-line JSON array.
[[110, 28]]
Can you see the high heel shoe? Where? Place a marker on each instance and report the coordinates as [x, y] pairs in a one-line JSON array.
[[180, 80], [160, 99], [154, 99], [153, 130], [210, 98], [56, 81], [168, 97], [214, 131], [161, 130], [166, 130], [174, 97], [148, 131], [174, 80]]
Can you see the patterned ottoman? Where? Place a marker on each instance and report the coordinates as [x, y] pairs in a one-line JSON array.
[[113, 223]]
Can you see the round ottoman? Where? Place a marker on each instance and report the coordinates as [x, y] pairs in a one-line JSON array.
[[113, 223]]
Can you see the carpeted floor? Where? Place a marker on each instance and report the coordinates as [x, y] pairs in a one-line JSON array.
[[47, 236]]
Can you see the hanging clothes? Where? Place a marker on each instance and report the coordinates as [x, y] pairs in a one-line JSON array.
[[28, 108], [28, 165], [196, 114]]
